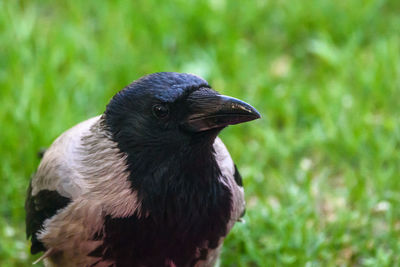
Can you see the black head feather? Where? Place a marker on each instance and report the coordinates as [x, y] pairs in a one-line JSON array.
[[131, 115]]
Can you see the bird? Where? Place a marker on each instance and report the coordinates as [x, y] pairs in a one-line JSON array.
[[146, 183]]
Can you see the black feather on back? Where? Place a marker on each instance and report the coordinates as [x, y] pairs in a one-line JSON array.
[[238, 177], [38, 208]]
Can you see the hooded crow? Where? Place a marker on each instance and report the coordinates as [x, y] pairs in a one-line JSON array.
[[147, 183]]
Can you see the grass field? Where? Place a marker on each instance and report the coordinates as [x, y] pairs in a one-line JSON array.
[[321, 169]]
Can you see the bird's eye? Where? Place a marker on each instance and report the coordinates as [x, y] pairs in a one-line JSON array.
[[160, 111]]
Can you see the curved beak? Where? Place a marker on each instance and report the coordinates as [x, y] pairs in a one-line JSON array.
[[208, 110]]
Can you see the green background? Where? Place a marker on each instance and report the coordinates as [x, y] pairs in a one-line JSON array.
[[321, 169]]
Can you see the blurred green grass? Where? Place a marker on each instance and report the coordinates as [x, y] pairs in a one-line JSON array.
[[321, 169]]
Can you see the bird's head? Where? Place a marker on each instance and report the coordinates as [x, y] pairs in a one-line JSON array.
[[169, 110]]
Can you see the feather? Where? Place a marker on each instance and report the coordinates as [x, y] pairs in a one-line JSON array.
[[45, 255]]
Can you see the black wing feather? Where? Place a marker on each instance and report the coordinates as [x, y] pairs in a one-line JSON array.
[[38, 208], [238, 177], [239, 181]]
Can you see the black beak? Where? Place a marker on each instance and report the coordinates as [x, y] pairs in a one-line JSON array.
[[208, 110]]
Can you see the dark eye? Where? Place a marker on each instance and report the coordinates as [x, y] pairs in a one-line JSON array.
[[160, 111]]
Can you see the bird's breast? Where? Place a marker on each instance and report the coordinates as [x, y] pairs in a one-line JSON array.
[[181, 228]]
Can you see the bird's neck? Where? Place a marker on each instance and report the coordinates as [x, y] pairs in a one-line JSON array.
[[163, 178], [194, 165]]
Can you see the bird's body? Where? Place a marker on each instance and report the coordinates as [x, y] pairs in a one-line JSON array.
[[111, 192]]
